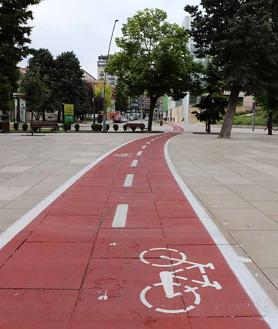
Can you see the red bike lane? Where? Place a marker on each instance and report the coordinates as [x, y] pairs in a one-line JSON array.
[[121, 248]]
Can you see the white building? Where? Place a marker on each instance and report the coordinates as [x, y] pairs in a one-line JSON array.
[[101, 66]]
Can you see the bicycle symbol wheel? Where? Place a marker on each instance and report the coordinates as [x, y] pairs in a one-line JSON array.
[[188, 289], [165, 256]]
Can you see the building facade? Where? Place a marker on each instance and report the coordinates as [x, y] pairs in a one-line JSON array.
[[101, 66]]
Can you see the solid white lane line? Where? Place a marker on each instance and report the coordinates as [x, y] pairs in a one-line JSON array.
[[129, 180], [257, 294], [139, 153], [120, 217], [143, 147], [134, 163], [148, 143]]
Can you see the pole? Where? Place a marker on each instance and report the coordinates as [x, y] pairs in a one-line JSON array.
[[254, 116], [105, 79]]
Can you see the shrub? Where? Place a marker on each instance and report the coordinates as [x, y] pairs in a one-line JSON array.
[[100, 127], [107, 127], [142, 128], [94, 127], [133, 129], [16, 125], [115, 127], [25, 126], [76, 127], [67, 126], [125, 127]]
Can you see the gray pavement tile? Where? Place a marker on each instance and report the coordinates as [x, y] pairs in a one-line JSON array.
[[253, 192], [225, 201], [272, 274], [259, 245], [9, 216], [14, 169], [244, 219], [8, 193], [25, 201], [268, 207]]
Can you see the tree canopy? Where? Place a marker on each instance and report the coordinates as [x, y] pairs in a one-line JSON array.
[[153, 58], [241, 39], [59, 81], [14, 39], [213, 102]]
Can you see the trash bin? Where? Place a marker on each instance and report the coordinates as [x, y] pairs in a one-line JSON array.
[[5, 123]]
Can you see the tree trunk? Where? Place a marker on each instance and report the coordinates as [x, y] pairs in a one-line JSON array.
[[269, 124], [231, 110], [208, 126], [153, 100]]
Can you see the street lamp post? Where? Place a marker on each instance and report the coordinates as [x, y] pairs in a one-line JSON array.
[[105, 79]]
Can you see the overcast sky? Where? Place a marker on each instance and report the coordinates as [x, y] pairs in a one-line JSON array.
[[85, 26]]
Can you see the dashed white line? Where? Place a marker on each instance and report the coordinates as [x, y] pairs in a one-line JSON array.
[[129, 180], [139, 153], [148, 143], [134, 163], [120, 217], [143, 147]]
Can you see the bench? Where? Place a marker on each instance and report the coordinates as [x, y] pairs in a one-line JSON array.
[[133, 126], [35, 125]]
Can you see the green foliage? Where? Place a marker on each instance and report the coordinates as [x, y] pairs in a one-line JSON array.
[[25, 126], [241, 38], [77, 127], [121, 93], [16, 126], [115, 127], [49, 83], [67, 126], [213, 101], [35, 91], [14, 40], [153, 58]]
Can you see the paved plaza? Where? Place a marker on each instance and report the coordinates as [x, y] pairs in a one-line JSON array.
[[88, 244]]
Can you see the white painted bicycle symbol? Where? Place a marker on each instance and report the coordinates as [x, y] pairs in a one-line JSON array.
[[169, 284]]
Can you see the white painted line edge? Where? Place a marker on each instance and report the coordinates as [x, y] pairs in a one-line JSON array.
[[129, 180], [260, 298], [119, 220], [26, 219], [139, 153], [134, 163], [143, 147]]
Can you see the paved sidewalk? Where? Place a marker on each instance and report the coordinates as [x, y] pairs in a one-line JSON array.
[[121, 248], [237, 181]]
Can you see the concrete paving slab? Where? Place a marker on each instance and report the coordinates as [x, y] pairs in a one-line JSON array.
[[26, 201], [244, 220], [259, 245], [14, 170], [270, 208]]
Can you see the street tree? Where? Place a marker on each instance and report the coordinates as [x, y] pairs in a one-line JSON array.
[[153, 58], [121, 96], [240, 37], [211, 107], [68, 84], [36, 93], [40, 68], [14, 39]]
